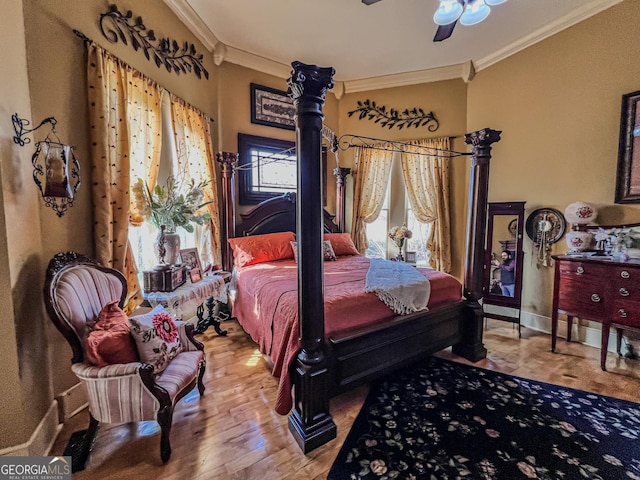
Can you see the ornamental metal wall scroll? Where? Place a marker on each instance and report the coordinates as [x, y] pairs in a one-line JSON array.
[[175, 57], [414, 117]]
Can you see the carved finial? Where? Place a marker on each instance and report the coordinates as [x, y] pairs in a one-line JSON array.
[[226, 158], [310, 81], [341, 174], [482, 138]]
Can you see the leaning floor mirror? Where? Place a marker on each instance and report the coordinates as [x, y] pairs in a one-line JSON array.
[[503, 262]]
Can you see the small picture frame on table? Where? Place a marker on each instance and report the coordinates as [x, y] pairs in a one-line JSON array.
[[190, 259], [411, 257], [195, 275], [271, 107]]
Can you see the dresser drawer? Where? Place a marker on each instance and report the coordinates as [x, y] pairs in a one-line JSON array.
[[584, 269], [626, 312], [583, 296]]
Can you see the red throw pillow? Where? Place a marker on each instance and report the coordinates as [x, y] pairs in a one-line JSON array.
[[110, 342], [342, 243], [262, 248]]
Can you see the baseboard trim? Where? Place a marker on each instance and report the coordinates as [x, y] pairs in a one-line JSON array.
[[580, 333], [42, 438], [66, 405]]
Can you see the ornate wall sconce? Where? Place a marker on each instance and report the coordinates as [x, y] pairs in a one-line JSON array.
[[56, 171]]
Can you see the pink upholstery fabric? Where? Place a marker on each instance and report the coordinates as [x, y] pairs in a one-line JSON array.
[[181, 370], [116, 393], [80, 294]]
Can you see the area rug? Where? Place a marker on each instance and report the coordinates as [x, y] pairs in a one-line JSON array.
[[444, 420]]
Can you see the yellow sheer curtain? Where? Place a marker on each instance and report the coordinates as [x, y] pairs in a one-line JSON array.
[[196, 161], [371, 178], [426, 176], [124, 108]]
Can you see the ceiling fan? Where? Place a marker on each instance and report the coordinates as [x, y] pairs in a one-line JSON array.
[[469, 12]]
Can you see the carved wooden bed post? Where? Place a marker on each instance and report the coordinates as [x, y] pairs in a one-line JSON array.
[[471, 346], [341, 186], [227, 161], [310, 421]]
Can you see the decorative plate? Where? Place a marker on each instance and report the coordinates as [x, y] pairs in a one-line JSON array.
[[513, 227], [548, 222]]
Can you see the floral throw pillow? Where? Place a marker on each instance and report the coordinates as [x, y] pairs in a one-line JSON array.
[[327, 251], [156, 337]]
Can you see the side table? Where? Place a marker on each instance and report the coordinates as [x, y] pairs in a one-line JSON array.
[[214, 307], [211, 290]]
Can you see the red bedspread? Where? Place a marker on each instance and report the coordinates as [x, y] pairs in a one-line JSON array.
[[266, 307]]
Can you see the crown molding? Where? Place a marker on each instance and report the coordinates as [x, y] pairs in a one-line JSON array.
[[193, 22], [408, 78], [255, 62], [464, 71], [577, 15]]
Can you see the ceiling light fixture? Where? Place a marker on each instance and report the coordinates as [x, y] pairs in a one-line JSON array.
[[469, 12]]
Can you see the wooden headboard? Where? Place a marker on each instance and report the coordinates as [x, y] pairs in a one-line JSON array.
[[277, 215]]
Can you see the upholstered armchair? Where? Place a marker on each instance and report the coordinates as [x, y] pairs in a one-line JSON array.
[[76, 290]]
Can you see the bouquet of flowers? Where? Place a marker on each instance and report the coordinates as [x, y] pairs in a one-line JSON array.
[[169, 206], [398, 234]]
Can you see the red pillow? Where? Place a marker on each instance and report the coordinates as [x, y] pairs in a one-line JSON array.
[[342, 243], [262, 248], [110, 342]]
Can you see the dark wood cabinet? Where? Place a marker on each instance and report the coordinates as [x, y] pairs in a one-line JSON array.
[[598, 289]]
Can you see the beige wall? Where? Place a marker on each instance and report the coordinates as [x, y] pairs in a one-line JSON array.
[[448, 101], [17, 198], [557, 103], [558, 106], [49, 80], [235, 116]]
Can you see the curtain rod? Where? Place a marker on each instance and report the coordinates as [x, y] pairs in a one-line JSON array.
[[347, 141], [87, 41]]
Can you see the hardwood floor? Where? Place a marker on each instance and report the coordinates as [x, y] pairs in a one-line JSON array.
[[234, 433]]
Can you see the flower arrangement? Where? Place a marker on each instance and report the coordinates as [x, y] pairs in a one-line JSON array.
[[398, 234], [168, 206], [615, 238]]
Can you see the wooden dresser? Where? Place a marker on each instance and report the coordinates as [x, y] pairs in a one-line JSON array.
[[597, 289]]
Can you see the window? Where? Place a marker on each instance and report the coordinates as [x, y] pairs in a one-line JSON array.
[[418, 242], [378, 230], [268, 168], [380, 245]]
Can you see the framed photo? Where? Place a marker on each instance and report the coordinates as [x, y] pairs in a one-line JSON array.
[[189, 258], [411, 257], [195, 274], [628, 175], [272, 107]]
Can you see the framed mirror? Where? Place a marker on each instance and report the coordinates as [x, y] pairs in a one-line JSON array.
[[504, 259]]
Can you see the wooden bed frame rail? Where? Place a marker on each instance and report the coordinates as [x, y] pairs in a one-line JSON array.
[[326, 367]]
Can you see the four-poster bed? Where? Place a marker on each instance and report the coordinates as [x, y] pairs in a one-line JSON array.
[[326, 363]]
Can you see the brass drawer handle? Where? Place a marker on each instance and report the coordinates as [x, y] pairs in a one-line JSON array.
[[622, 313], [624, 274], [595, 298], [624, 292], [580, 270]]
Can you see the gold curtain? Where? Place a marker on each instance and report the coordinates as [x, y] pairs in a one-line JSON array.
[[372, 168], [426, 176], [196, 160], [124, 109]]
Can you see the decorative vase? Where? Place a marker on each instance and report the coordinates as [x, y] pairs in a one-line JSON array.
[[167, 246], [579, 241], [400, 244]]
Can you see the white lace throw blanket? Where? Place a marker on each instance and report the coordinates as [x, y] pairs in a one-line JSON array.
[[400, 286]]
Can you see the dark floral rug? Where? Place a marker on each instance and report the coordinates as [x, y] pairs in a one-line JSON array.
[[444, 420]]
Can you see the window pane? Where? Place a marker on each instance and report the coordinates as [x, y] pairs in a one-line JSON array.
[[377, 232], [273, 172], [418, 242]]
